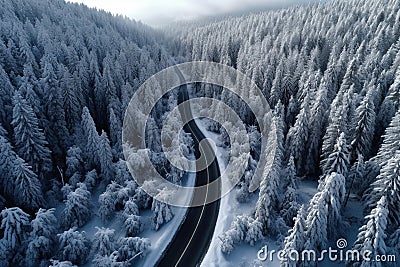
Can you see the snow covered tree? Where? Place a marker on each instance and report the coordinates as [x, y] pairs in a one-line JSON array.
[[104, 241], [372, 235], [105, 157], [267, 199], [296, 239], [356, 175], [391, 142], [254, 231], [324, 214], [114, 198], [387, 184], [91, 179], [28, 190], [74, 246], [91, 138], [290, 206], [365, 127], [7, 159], [74, 161], [57, 263], [162, 214], [15, 173], [338, 160], [235, 234], [228, 241], [317, 126], [107, 260], [115, 131], [77, 207], [340, 117], [300, 133], [133, 225], [122, 173], [107, 205], [391, 103], [42, 237], [130, 208], [394, 242], [71, 98], [30, 141], [56, 131], [133, 247], [14, 226], [142, 199]]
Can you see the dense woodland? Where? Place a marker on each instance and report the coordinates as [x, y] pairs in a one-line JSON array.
[[331, 73]]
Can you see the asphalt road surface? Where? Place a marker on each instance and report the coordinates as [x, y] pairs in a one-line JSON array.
[[193, 238]]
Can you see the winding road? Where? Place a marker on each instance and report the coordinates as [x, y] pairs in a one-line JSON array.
[[191, 242]]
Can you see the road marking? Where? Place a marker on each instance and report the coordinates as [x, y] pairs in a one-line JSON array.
[[205, 200]]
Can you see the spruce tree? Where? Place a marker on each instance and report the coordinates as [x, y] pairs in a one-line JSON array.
[[30, 141], [365, 127], [391, 142], [372, 235]]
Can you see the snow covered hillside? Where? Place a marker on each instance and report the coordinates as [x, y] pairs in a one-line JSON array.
[[330, 72]]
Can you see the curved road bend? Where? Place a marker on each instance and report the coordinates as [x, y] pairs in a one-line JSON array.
[[191, 241]]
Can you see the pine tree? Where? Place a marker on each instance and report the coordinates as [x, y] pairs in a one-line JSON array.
[[341, 114], [91, 179], [71, 99], [289, 205], [317, 125], [122, 173], [387, 184], [132, 247], [15, 226], [235, 234], [74, 246], [394, 242], [130, 208], [254, 231], [28, 190], [77, 207], [7, 173], [40, 247], [107, 205], [115, 132], [390, 104], [133, 225], [372, 235], [338, 161], [324, 214], [296, 239], [91, 137], [365, 127], [105, 157], [300, 133], [6, 94], [57, 263], [74, 161], [391, 142], [104, 241], [17, 179], [57, 133], [162, 214], [267, 199]]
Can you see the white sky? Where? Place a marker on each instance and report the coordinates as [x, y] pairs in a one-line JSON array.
[[156, 12]]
